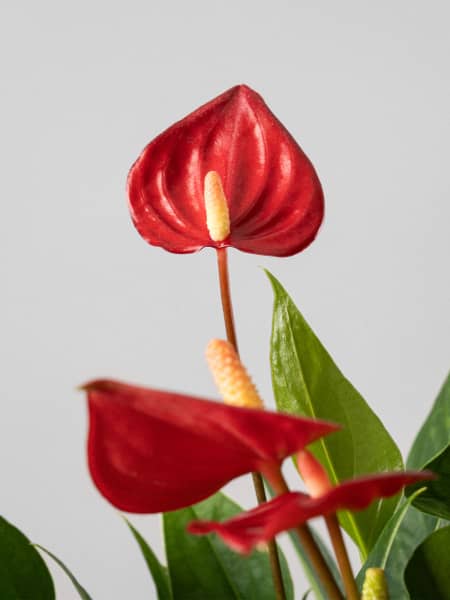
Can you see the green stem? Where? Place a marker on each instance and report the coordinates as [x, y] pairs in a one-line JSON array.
[[225, 295]]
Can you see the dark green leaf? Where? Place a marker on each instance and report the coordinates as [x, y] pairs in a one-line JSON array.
[[203, 567], [80, 589], [434, 436], [158, 571], [428, 574], [23, 573], [306, 594], [406, 529], [431, 450], [409, 527], [436, 498], [307, 382]]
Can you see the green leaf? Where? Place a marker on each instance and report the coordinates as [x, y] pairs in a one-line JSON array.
[[406, 529], [23, 573], [315, 582], [307, 382], [159, 572], [409, 527], [431, 450], [203, 567], [428, 574], [81, 591], [436, 498], [434, 436]]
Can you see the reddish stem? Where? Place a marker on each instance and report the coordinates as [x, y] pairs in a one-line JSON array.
[[225, 295], [340, 552], [309, 544]]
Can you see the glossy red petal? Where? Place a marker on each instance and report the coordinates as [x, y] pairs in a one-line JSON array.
[[274, 195], [288, 511], [152, 451]]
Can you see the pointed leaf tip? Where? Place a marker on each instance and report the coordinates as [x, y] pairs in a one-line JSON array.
[[24, 573], [307, 382]]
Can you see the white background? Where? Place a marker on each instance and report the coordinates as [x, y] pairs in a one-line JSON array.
[[364, 88]]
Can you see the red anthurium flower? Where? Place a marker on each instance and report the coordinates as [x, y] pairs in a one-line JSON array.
[[153, 451], [234, 155], [244, 532]]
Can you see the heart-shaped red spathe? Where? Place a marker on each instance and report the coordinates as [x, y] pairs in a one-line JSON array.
[[153, 451], [245, 531], [274, 196]]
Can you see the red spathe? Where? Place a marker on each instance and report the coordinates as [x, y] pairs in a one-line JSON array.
[[152, 451], [244, 532], [274, 196]]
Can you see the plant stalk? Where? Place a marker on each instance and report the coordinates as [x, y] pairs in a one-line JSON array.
[[309, 545], [225, 295], [341, 554]]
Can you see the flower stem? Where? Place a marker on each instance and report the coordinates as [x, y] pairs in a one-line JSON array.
[[309, 544], [342, 557], [225, 295]]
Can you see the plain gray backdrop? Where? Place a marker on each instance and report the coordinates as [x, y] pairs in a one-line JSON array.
[[364, 88]]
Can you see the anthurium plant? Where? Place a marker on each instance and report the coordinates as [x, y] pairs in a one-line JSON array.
[[230, 174]]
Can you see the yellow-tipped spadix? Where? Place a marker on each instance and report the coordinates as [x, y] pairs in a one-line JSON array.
[[375, 585], [230, 375], [216, 206]]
